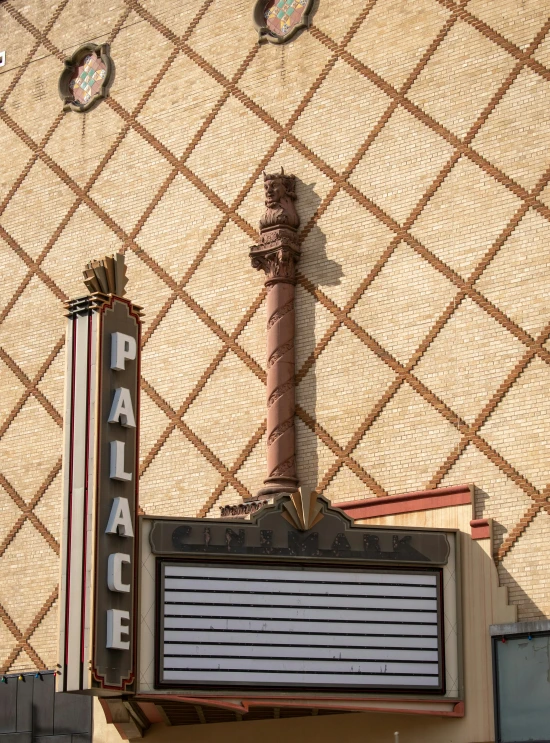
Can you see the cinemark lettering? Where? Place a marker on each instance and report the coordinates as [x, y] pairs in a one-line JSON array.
[[99, 550]]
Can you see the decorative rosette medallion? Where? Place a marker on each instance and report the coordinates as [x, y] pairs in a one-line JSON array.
[[278, 21], [85, 77]]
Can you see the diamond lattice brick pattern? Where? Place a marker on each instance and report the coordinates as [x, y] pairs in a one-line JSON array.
[[208, 158], [133, 158], [41, 195], [528, 138], [20, 154], [343, 247], [396, 171], [215, 39], [286, 93], [469, 360], [496, 495], [14, 271], [25, 467], [517, 21], [31, 106], [222, 398], [320, 130], [395, 35], [202, 93], [521, 562], [339, 408], [466, 83], [532, 433], [181, 470], [517, 278], [71, 249], [29, 350], [402, 302], [389, 450], [404, 225], [471, 210], [225, 304], [82, 158], [176, 378]]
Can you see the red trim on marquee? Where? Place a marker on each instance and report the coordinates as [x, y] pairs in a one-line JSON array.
[[242, 706], [151, 712], [422, 500], [481, 528]]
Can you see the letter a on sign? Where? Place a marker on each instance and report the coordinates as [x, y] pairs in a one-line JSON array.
[[121, 409], [120, 521]]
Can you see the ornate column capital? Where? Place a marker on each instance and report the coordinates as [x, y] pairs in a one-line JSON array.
[[277, 254], [278, 248]]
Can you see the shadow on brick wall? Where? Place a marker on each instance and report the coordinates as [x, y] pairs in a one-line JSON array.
[[318, 269], [528, 608]]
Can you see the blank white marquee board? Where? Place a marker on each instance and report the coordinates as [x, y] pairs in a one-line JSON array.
[[230, 625]]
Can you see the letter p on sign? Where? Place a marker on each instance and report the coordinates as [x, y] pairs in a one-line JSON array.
[[122, 347]]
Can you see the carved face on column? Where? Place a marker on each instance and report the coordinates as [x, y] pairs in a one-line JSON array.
[[280, 194], [275, 189]]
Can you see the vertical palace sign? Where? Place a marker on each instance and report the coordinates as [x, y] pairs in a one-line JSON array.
[[99, 557]]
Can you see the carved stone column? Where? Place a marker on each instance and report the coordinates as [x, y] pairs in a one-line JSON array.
[[276, 254]]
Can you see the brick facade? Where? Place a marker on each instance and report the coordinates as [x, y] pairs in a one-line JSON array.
[[419, 136]]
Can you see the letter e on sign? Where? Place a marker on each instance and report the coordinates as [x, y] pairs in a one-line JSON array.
[[115, 629]]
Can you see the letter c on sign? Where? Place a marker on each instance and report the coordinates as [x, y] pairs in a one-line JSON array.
[[114, 572]]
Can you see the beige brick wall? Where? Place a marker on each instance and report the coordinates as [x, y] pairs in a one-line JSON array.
[[419, 134]]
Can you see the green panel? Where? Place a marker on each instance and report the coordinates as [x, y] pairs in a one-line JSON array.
[[523, 670]]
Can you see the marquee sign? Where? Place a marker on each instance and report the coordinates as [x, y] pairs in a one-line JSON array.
[[230, 625], [261, 604], [99, 545]]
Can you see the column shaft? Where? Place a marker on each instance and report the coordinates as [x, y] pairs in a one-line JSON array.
[[281, 461]]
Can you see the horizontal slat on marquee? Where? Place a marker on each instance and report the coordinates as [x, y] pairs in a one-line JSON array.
[[291, 651], [265, 625], [295, 639], [323, 589], [322, 576], [302, 665], [242, 625], [302, 679], [275, 612], [281, 599]]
